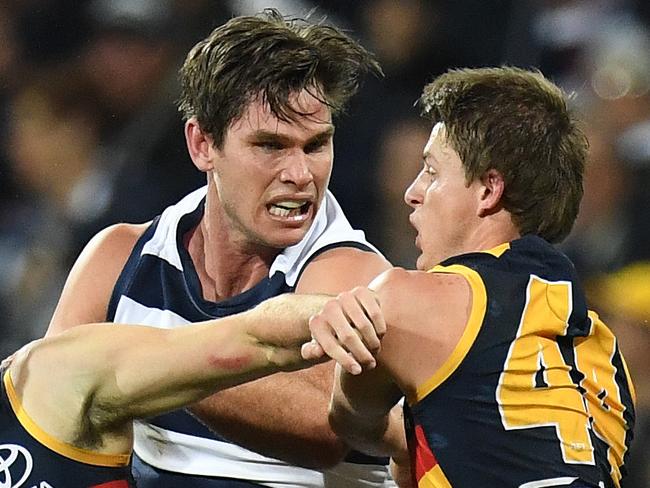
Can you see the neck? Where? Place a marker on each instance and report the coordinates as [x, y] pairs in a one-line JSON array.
[[225, 266], [493, 231]]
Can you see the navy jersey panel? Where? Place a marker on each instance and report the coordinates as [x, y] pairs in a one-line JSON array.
[[28, 462], [473, 422]]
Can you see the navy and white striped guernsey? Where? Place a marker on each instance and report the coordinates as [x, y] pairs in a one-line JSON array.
[[159, 286]]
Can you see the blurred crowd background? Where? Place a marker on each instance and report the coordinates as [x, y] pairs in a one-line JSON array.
[[90, 136]]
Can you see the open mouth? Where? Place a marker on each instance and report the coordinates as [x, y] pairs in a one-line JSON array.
[[290, 210]]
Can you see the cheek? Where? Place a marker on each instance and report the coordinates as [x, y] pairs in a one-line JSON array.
[[321, 170]]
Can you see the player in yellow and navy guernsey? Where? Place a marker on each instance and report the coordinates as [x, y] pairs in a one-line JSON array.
[[542, 387], [509, 380], [67, 402]]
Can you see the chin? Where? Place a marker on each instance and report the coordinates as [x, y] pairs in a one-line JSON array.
[[421, 263], [287, 238]]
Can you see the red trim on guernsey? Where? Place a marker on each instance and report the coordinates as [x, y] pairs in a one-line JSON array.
[[424, 458], [113, 484]]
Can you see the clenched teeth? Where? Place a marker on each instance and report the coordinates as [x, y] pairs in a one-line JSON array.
[[288, 208], [290, 204]]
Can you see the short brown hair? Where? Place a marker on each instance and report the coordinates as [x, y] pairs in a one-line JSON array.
[[271, 57], [517, 122]]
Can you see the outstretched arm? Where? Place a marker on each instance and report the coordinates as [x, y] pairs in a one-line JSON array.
[[107, 374]]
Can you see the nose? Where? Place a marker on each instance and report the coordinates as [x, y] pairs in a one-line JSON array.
[[296, 170], [414, 195]]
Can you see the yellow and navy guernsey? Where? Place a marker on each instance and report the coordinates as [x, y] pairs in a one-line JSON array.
[[536, 393], [29, 457]]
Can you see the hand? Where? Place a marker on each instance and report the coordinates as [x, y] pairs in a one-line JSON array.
[[348, 330]]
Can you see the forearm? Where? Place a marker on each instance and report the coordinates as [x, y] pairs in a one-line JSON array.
[[364, 412], [159, 370], [282, 416], [379, 435]]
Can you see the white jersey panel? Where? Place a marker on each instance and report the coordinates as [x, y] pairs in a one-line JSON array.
[[190, 455]]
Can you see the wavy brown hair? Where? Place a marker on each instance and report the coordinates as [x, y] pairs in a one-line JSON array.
[[268, 57], [517, 122]]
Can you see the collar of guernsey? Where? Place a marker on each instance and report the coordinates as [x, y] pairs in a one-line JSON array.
[[330, 226]]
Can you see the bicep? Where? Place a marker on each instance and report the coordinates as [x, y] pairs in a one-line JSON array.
[[89, 285], [426, 315], [372, 393]]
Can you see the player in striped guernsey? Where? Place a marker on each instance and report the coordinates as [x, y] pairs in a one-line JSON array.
[[510, 380], [259, 95], [68, 401]]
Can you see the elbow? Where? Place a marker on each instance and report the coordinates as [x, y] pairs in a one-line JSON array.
[[320, 448], [329, 451], [338, 424], [360, 432]]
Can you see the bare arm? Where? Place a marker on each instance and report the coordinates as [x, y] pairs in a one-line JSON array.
[[362, 411], [285, 415], [89, 285], [425, 317], [108, 374]]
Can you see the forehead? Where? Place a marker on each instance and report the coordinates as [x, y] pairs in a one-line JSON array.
[[436, 140], [258, 116]]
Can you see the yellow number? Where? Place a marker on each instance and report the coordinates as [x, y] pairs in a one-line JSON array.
[[602, 391], [535, 388]]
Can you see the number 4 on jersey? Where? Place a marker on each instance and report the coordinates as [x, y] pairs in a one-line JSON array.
[[536, 388]]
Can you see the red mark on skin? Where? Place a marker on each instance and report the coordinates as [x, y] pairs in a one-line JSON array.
[[230, 363]]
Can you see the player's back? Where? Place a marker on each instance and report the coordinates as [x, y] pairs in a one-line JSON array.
[[541, 396]]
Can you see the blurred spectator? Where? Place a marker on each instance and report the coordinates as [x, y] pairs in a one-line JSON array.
[[403, 36], [142, 162], [605, 207], [399, 160], [414, 40], [52, 136]]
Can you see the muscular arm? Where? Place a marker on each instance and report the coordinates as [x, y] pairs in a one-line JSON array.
[[285, 415], [425, 317], [89, 285], [108, 374]]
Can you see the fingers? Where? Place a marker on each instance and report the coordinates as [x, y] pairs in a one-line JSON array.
[[312, 351], [333, 346], [361, 307], [348, 330]]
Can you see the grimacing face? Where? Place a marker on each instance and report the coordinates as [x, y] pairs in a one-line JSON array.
[[445, 208], [271, 176]]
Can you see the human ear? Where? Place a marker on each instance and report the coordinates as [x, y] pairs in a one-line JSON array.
[[491, 191], [198, 145]]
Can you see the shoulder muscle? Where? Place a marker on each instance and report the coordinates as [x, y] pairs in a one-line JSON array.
[[426, 315], [90, 283], [339, 269]]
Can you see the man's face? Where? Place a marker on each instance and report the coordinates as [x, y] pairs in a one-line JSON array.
[[445, 208], [270, 176]]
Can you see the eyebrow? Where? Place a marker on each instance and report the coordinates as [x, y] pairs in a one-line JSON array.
[[265, 135], [427, 155]]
